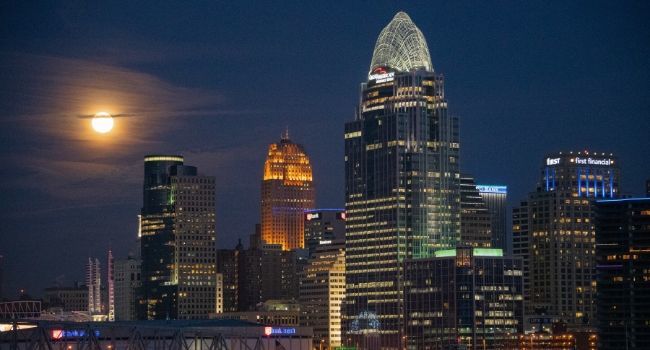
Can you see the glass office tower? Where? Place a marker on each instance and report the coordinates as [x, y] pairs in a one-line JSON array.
[[402, 182], [156, 234]]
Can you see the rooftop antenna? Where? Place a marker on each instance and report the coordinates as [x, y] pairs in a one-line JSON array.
[[285, 136]]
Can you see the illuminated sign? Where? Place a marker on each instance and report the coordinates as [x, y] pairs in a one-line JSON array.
[[592, 161], [325, 242], [382, 78], [492, 189], [552, 161], [70, 333], [278, 331], [341, 216], [313, 216]]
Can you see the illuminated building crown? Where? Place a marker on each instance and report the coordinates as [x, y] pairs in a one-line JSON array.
[[401, 47], [287, 161]]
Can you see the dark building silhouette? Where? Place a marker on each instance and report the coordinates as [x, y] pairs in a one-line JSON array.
[[323, 226], [623, 263], [475, 218]]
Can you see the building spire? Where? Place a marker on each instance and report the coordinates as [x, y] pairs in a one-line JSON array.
[[285, 136]]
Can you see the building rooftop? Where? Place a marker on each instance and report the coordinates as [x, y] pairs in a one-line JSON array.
[[401, 46]]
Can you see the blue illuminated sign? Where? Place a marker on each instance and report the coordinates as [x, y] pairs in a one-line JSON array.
[[492, 189]]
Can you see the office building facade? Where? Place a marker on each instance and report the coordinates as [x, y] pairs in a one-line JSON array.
[[68, 298], [402, 180], [177, 241], [322, 292], [228, 268], [495, 198], [195, 256], [623, 263], [323, 226], [287, 191], [266, 273], [156, 239], [557, 222], [127, 283], [463, 298], [475, 218]]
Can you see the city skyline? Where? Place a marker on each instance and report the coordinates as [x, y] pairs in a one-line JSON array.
[[88, 210]]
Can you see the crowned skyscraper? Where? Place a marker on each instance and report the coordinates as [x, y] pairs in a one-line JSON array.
[[287, 191], [402, 182]]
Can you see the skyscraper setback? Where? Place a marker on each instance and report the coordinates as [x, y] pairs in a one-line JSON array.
[[177, 241], [402, 181], [287, 191]]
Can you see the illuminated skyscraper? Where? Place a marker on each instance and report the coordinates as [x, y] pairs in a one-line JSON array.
[[322, 291], [195, 256], [287, 191], [402, 182], [177, 241], [553, 232], [157, 241], [496, 200]]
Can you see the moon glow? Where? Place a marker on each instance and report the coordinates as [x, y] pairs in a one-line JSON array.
[[102, 122]]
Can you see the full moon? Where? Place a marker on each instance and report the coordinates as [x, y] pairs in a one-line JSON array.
[[102, 122]]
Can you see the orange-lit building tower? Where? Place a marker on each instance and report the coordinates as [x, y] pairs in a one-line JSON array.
[[287, 191]]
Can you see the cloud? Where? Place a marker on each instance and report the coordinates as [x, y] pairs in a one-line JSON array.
[[58, 155]]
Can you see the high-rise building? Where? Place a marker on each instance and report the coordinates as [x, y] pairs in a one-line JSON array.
[[111, 286], [402, 179], [94, 284], [1, 277], [496, 200], [463, 298], [647, 188], [557, 222], [287, 191], [322, 291], [157, 241], [623, 263], [520, 245], [127, 283], [195, 256], [177, 241], [228, 268], [475, 219], [266, 273], [323, 226], [72, 298]]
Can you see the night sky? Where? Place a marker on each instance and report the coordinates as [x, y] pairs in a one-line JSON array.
[[217, 82]]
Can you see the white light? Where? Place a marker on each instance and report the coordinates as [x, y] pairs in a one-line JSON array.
[[102, 122]]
